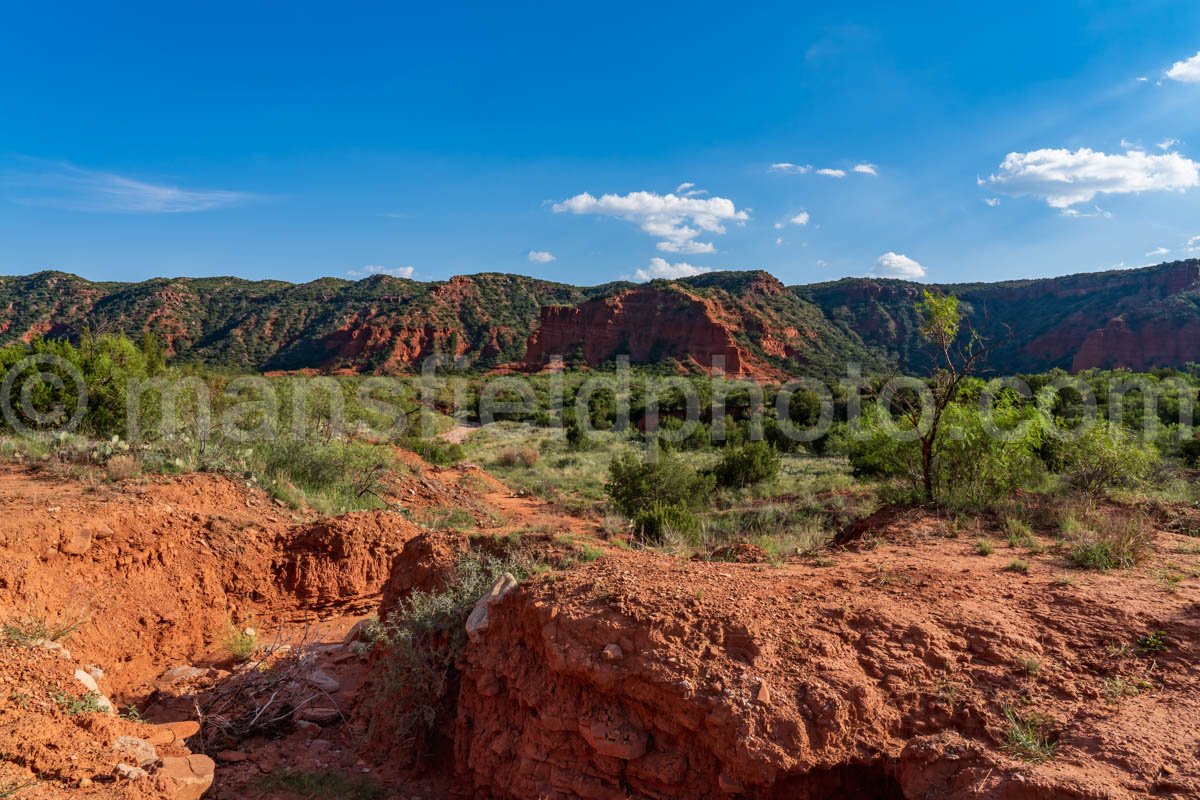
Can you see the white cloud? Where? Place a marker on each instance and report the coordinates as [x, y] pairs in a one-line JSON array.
[[992, 201], [800, 219], [376, 269], [1129, 144], [677, 221], [1063, 178], [895, 265], [778, 241], [1186, 71], [867, 169], [1096, 211], [688, 189], [1168, 144], [832, 173], [660, 268], [1158, 251], [787, 166], [74, 188], [541, 256], [1193, 244]]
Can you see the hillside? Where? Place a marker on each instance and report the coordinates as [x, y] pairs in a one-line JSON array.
[[1138, 319]]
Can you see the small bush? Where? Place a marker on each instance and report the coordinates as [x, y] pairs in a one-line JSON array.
[[512, 456], [121, 468], [638, 484], [747, 465], [1110, 541], [1017, 565], [240, 643], [331, 476], [39, 628], [421, 644], [435, 451], [1105, 456], [1189, 450], [984, 547], [90, 703], [658, 523]]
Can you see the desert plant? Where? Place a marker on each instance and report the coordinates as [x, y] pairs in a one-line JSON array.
[[657, 523], [1189, 450], [421, 643], [1110, 541], [38, 627], [1104, 456], [749, 464], [1026, 737], [1017, 565], [435, 451], [90, 703], [13, 788], [984, 547], [638, 484], [240, 643], [524, 456], [977, 460]]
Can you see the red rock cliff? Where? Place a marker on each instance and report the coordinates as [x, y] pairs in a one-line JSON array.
[[648, 324]]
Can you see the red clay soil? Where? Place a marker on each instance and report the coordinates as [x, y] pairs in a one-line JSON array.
[[158, 572], [49, 750], [882, 675], [882, 670]]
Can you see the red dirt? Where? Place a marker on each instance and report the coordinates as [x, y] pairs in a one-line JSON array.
[[881, 670], [883, 675]]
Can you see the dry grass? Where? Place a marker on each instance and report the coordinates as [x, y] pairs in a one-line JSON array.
[[1105, 539], [524, 456]]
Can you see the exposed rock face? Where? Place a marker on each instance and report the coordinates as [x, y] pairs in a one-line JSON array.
[[804, 684], [648, 324], [338, 559], [1139, 345]]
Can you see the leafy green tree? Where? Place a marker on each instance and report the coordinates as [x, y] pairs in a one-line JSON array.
[[955, 360]]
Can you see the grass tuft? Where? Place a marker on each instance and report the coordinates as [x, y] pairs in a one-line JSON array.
[[1027, 739]]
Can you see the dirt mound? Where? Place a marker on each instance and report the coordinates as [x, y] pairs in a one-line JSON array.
[[55, 743], [149, 575], [919, 669], [343, 559]]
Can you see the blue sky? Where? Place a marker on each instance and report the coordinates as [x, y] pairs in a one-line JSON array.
[[300, 140]]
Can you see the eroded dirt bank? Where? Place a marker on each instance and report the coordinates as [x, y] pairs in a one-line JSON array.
[[897, 668]]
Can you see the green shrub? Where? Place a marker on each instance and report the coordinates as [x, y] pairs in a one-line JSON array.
[[331, 476], [638, 484], [1109, 541], [658, 523], [421, 644], [1027, 737], [1190, 451], [435, 451], [747, 465], [1105, 456], [973, 467], [107, 365]]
